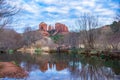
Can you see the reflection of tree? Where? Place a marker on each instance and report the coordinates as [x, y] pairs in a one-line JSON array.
[[80, 67], [115, 65], [90, 70]]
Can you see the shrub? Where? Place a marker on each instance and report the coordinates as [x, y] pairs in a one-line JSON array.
[[10, 51], [56, 38], [38, 51]]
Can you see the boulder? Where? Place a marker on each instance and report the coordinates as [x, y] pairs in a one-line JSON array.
[[9, 69]]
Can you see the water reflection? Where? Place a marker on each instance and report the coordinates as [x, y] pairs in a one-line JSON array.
[[65, 67]]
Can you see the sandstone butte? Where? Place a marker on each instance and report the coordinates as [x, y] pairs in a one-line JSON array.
[[43, 26], [9, 69], [59, 28]]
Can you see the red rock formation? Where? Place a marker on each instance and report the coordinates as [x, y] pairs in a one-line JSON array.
[[44, 33], [66, 29], [8, 69], [61, 27], [43, 26], [43, 29], [50, 28]]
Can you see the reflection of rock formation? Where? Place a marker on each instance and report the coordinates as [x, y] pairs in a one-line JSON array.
[[8, 69], [50, 65], [44, 66], [59, 66]]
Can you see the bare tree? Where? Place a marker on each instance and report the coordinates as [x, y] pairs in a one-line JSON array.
[[6, 13], [27, 36], [69, 39], [73, 39], [87, 23], [30, 36], [10, 40]]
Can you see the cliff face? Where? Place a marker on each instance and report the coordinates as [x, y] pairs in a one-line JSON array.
[[58, 28], [61, 27], [50, 28], [43, 29], [43, 26]]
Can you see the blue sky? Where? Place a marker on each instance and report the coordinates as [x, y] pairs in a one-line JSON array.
[[65, 11]]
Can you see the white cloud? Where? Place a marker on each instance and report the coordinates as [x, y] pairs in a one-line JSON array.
[[65, 11], [88, 3], [46, 1], [50, 9]]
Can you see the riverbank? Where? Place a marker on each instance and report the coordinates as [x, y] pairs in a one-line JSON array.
[[99, 53]]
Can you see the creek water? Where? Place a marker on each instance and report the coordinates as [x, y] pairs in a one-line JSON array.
[[63, 66]]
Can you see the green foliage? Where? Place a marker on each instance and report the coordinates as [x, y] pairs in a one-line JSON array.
[[74, 50], [81, 50], [38, 51], [10, 51], [102, 56], [93, 52], [14, 62], [57, 37], [115, 26]]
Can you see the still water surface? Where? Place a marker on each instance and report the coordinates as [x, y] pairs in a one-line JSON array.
[[64, 67]]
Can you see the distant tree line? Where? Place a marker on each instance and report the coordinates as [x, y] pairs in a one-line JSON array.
[[92, 37]]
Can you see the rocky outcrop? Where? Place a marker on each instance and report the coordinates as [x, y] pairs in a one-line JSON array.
[[50, 28], [45, 33], [43, 29], [61, 27], [46, 44], [9, 69], [43, 26], [47, 30]]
